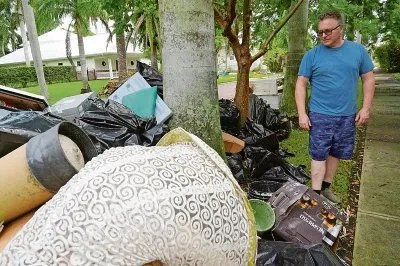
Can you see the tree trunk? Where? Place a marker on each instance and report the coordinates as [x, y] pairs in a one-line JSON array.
[[35, 49], [121, 52], [82, 59], [189, 70], [297, 27], [243, 90], [153, 56], [226, 56], [3, 52], [24, 38]]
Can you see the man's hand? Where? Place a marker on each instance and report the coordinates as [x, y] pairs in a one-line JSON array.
[[362, 116], [304, 122]]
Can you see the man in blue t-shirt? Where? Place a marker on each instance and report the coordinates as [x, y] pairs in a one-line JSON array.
[[333, 69]]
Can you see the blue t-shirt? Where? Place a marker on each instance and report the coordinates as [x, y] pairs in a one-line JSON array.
[[333, 74]]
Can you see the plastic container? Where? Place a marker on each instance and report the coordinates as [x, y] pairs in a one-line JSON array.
[[264, 215], [263, 189]]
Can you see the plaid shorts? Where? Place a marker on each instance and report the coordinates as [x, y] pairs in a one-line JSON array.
[[331, 135]]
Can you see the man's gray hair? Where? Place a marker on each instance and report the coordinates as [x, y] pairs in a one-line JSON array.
[[332, 14]]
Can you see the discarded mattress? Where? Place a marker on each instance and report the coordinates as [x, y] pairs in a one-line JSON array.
[[178, 204], [22, 100]]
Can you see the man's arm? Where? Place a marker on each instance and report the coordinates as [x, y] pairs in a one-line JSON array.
[[300, 96], [368, 83]]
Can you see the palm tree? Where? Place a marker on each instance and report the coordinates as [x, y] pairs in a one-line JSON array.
[[80, 12], [297, 27], [190, 78], [120, 11], [34, 44], [23, 34], [147, 30], [8, 30], [12, 18]]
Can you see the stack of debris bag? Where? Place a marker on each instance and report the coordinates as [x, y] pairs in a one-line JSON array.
[[177, 203], [134, 114], [260, 157], [42, 146], [306, 226], [131, 205]]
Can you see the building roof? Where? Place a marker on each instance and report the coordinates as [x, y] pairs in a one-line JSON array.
[[52, 47]]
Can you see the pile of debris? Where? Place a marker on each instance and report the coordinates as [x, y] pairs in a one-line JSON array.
[[48, 145], [294, 223], [119, 120]]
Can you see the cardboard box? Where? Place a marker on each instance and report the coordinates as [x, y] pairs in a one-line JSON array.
[[232, 144], [305, 217]]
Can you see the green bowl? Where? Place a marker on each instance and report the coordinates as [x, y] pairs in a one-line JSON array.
[[264, 215]]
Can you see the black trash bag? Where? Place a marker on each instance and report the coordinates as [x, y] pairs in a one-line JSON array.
[[284, 153], [252, 156], [154, 134], [152, 76], [273, 119], [271, 160], [229, 116], [277, 174], [235, 163], [95, 104], [17, 127], [257, 135], [257, 107], [113, 125], [261, 113], [282, 134], [276, 253], [284, 128], [129, 119], [5, 111]]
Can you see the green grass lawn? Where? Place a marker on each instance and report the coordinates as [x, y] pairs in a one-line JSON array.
[[232, 77], [58, 91]]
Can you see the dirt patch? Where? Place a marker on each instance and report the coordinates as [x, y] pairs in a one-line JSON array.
[[346, 238]]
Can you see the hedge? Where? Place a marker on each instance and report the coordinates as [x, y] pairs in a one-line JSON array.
[[388, 56], [21, 76]]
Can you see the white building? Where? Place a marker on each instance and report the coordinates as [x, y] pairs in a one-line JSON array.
[[226, 61], [101, 55]]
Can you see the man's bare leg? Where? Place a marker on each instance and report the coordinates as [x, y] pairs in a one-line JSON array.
[[318, 169], [332, 164]]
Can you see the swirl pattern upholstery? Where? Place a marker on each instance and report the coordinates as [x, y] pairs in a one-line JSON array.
[[178, 204]]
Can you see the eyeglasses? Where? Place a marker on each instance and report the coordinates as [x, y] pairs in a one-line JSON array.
[[327, 31]]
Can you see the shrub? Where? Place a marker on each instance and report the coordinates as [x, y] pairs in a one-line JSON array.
[[21, 76], [388, 56]]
